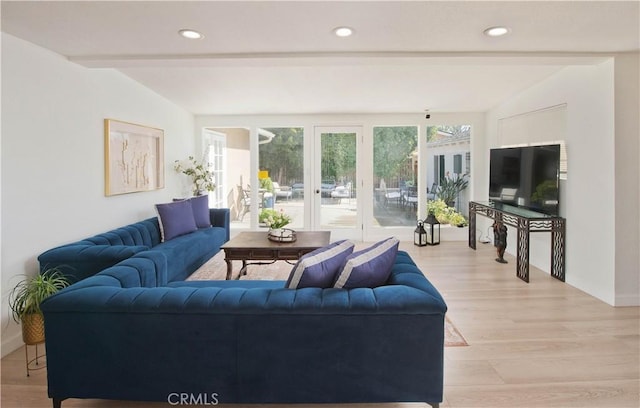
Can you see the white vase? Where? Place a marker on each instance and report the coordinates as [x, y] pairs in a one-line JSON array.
[[275, 232]]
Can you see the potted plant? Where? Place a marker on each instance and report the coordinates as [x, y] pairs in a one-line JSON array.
[[450, 187], [266, 184], [25, 300]]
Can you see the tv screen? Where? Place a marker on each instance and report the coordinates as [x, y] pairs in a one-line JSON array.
[[526, 177]]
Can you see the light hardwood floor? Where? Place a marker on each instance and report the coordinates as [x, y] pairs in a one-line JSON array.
[[542, 344]]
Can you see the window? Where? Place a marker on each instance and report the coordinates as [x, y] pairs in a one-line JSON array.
[[457, 163], [215, 154], [467, 163]]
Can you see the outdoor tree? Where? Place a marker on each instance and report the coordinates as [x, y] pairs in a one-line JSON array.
[[392, 147], [338, 156], [283, 156]]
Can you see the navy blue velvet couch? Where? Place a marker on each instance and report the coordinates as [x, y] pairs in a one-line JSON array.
[[122, 334], [179, 257]]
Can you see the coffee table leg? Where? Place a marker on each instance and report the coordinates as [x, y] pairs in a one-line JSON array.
[[243, 270], [229, 267]]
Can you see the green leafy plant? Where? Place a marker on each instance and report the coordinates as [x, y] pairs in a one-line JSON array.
[[445, 214], [450, 187], [274, 219], [28, 294], [201, 177], [266, 184], [458, 219]]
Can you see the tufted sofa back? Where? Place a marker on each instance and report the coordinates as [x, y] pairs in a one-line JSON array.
[[407, 291], [145, 233]]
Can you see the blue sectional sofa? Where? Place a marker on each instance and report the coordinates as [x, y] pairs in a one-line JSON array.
[[124, 334], [176, 258]]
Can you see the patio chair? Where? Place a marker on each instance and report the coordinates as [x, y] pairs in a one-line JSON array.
[[282, 191], [431, 194], [245, 202], [410, 197], [392, 194]]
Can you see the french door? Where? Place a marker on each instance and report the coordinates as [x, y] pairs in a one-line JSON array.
[[336, 181]]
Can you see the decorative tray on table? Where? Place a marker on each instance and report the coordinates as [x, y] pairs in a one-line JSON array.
[[282, 235]]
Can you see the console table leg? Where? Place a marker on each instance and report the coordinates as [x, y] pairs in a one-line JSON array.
[[472, 228], [557, 249], [522, 268]]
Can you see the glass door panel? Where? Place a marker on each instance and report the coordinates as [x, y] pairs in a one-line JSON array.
[[215, 153], [281, 175], [395, 181], [336, 181]]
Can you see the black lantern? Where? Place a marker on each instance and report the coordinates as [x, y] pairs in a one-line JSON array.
[[420, 235], [433, 230]]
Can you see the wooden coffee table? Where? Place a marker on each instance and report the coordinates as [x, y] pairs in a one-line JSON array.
[[255, 246]]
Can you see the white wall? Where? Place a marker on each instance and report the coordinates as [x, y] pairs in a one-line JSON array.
[[53, 156], [627, 181], [589, 197]]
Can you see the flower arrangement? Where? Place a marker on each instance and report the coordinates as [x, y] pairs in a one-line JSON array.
[[202, 178], [274, 219]]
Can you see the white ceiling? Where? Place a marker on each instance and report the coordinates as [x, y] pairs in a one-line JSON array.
[[281, 57]]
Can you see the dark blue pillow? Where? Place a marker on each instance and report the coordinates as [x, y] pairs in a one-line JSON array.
[[200, 206], [370, 267], [318, 269], [175, 219]]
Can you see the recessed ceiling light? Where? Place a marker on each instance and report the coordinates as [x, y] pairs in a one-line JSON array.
[[496, 31], [190, 34], [343, 31]]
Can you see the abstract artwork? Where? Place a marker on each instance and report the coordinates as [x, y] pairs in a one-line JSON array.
[[134, 157]]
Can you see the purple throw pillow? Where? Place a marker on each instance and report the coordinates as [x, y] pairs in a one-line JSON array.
[[318, 268], [200, 206], [175, 219], [370, 267]]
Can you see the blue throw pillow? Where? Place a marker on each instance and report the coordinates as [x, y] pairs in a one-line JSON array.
[[200, 206], [318, 269], [175, 219], [370, 267]]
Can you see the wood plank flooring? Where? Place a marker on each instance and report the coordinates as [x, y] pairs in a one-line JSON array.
[[542, 344]]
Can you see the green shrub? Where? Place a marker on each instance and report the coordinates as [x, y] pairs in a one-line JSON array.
[[445, 214]]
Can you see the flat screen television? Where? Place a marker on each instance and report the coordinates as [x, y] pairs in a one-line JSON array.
[[527, 177]]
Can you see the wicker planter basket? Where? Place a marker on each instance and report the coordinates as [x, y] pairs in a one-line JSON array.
[[33, 329]]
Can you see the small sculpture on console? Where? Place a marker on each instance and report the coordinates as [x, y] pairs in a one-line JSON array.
[[500, 240]]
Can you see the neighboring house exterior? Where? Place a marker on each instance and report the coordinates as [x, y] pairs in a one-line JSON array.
[[450, 154]]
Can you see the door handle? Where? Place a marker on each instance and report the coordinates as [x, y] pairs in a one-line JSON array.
[[317, 191]]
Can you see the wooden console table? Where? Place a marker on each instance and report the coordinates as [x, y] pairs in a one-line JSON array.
[[526, 222]]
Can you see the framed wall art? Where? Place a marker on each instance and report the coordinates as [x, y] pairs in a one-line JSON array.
[[134, 157]]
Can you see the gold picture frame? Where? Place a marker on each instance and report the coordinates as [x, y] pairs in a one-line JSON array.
[[133, 158]]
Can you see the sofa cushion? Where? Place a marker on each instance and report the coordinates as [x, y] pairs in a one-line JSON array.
[[188, 252], [175, 219], [370, 267], [318, 269]]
